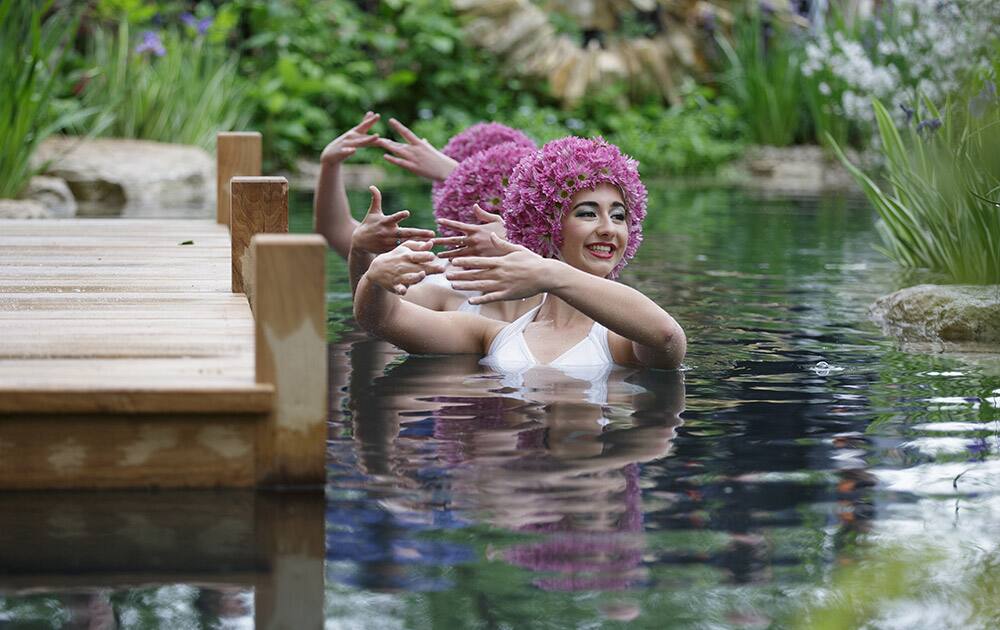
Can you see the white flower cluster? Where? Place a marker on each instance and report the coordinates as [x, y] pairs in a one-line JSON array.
[[912, 47]]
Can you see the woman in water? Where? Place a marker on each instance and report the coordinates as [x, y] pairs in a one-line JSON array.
[[573, 212]]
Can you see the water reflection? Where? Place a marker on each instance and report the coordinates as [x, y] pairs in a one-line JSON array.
[[554, 461]]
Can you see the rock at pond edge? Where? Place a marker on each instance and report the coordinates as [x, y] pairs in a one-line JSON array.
[[951, 317]]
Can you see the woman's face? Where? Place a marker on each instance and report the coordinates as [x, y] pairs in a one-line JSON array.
[[595, 230]]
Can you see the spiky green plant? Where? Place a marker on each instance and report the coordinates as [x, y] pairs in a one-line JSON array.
[[763, 77], [940, 207], [185, 95], [32, 49]]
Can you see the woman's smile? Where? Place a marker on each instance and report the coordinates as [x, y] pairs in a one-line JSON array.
[[602, 250]]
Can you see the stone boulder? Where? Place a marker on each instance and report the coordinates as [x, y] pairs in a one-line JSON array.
[[22, 209], [54, 194], [131, 177], [960, 318], [356, 176], [798, 169]]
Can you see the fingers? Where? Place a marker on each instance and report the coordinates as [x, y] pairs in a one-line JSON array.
[[362, 141], [396, 217], [400, 162], [367, 122], [457, 225], [376, 205], [454, 253], [476, 262], [418, 246], [464, 274], [417, 234], [486, 217], [486, 298], [449, 241], [505, 246], [472, 285], [404, 131], [390, 145], [408, 279]]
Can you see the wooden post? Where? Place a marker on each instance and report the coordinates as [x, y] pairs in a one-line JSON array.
[[260, 204], [236, 153], [289, 305], [290, 528]]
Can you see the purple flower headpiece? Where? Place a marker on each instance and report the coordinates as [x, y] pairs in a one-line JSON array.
[[482, 136], [480, 179], [542, 185]]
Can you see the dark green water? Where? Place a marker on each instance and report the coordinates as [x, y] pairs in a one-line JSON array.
[[800, 470]]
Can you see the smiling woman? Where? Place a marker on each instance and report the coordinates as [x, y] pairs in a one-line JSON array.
[[576, 208]]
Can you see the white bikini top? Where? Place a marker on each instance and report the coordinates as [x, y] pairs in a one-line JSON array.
[[438, 279]]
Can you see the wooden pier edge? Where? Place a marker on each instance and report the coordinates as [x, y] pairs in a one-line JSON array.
[[259, 205], [289, 305]]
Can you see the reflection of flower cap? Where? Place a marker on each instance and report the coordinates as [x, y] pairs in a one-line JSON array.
[[482, 136], [478, 179], [542, 185]]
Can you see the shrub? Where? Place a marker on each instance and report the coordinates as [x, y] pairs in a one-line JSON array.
[[31, 47], [941, 207], [178, 84]]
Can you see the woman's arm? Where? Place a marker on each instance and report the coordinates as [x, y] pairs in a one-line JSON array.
[[380, 310], [643, 333], [332, 212]]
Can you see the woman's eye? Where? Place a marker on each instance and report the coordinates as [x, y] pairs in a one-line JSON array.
[[618, 216], [586, 213]]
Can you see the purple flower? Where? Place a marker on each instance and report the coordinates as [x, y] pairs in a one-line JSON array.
[[189, 20], [204, 24], [201, 25], [482, 136], [907, 112], [927, 127], [150, 43], [480, 179], [543, 183]]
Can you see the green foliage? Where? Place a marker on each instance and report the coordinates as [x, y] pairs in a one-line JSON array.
[[32, 49], [763, 77], [186, 94], [941, 209]]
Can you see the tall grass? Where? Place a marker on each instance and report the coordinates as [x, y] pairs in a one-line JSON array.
[[763, 78], [31, 48], [186, 95], [940, 209]]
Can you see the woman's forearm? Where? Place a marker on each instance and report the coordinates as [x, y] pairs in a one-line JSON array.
[[621, 309], [374, 306], [332, 210]]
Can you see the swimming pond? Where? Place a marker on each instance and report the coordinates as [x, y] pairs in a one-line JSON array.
[[800, 469]]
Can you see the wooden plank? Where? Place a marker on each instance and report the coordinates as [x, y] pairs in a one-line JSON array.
[[168, 398], [259, 205], [290, 310], [236, 153], [123, 451], [215, 371]]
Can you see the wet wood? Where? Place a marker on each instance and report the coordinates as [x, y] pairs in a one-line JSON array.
[[237, 154], [290, 310], [260, 205]]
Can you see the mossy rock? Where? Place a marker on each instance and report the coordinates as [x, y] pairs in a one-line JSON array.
[[952, 317]]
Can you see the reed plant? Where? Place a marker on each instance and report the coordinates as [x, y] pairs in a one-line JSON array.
[[940, 205], [175, 85], [32, 49], [762, 77]]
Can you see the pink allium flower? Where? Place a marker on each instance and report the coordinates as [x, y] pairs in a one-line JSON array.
[[482, 136], [480, 179], [542, 185]]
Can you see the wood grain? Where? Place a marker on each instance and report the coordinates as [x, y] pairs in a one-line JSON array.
[[290, 311], [236, 153], [260, 205]]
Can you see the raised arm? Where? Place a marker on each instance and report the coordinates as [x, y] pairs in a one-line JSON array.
[[332, 212], [642, 332], [380, 310]]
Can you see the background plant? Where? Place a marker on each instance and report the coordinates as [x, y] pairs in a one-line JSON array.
[[940, 208], [31, 46], [762, 76], [175, 83]]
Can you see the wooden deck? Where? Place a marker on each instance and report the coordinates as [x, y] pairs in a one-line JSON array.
[[109, 315], [126, 359]]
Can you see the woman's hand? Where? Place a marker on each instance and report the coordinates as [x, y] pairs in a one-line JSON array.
[[477, 240], [417, 155], [404, 266], [345, 145], [379, 233], [516, 272]]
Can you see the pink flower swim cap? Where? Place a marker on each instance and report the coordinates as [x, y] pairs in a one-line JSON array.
[[480, 179], [542, 185], [481, 136]]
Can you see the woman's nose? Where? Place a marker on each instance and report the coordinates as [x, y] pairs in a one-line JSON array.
[[604, 225]]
